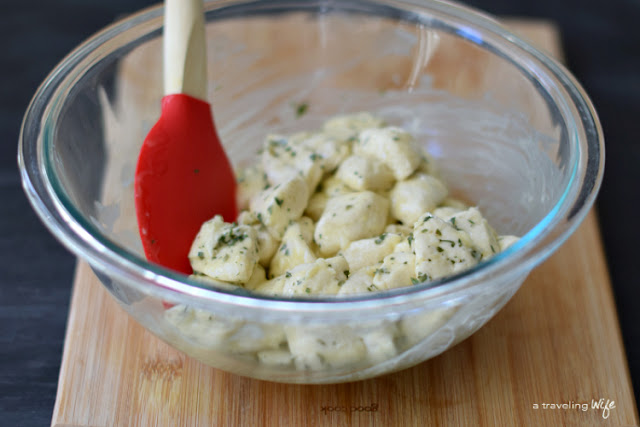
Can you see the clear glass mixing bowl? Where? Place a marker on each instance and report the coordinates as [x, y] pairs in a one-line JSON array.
[[513, 132]]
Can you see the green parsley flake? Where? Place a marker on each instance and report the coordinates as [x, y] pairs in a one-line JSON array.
[[422, 277], [380, 239], [230, 238], [448, 241], [301, 109]]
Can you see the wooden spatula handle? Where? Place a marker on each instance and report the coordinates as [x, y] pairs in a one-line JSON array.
[[185, 59]]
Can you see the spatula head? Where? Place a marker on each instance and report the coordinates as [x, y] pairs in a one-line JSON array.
[[183, 178]]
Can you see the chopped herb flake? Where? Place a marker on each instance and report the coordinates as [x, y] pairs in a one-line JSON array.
[[422, 277], [380, 238], [448, 241], [301, 109], [230, 238]]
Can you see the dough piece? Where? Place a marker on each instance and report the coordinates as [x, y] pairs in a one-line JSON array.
[[326, 149], [397, 271], [476, 226], [365, 252], [277, 206], [419, 194], [392, 146], [271, 287], [506, 241], [362, 173], [252, 337], [322, 346], [283, 161], [321, 277], [440, 249], [223, 251], [258, 277], [251, 181], [267, 244], [379, 338], [418, 327], [359, 282], [317, 203], [295, 248], [350, 217], [332, 186], [201, 327]]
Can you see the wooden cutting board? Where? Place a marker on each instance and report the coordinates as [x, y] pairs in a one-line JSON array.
[[557, 342]]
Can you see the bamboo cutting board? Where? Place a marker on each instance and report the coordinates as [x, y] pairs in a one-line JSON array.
[[557, 342]]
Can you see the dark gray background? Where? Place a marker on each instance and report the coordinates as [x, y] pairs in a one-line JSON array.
[[601, 40]]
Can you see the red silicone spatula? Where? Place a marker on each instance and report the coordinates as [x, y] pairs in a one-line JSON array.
[[183, 176]]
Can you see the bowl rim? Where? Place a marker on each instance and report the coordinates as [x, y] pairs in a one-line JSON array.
[[106, 257]]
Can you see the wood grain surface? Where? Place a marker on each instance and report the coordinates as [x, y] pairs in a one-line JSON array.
[[556, 342]]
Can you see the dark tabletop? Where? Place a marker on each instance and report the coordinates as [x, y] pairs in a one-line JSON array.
[[601, 40]]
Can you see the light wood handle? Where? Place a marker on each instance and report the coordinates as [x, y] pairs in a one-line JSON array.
[[184, 53]]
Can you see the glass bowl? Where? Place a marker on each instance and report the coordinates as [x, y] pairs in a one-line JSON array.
[[512, 130]]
